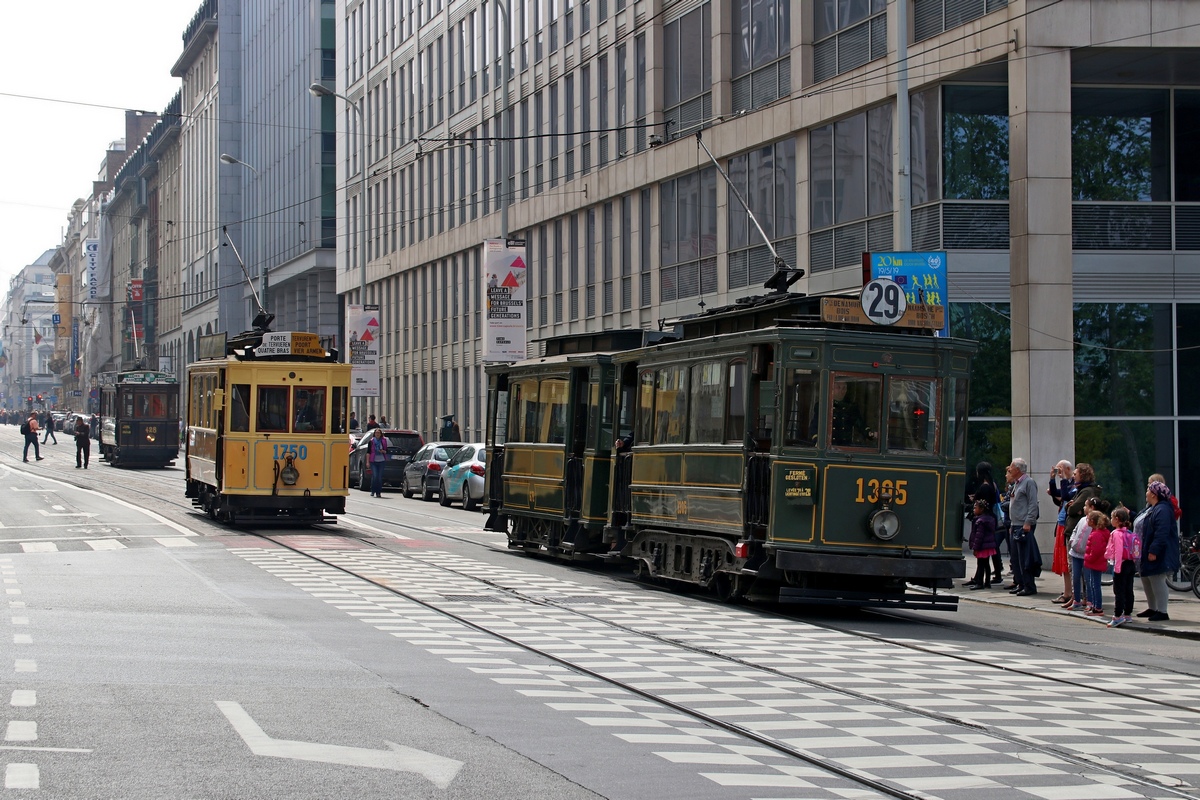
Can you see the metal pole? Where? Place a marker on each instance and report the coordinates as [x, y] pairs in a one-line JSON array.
[[903, 134], [505, 66]]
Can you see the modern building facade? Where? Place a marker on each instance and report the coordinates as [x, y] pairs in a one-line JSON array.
[[29, 336], [1040, 143]]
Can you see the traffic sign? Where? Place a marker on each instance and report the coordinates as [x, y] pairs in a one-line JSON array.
[[56, 319], [883, 302]]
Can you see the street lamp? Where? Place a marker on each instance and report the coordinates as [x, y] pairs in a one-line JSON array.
[[321, 90], [262, 267]]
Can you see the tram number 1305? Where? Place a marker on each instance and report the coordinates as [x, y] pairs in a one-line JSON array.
[[869, 491], [297, 451]]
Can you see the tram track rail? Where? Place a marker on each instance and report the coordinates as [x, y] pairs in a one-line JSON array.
[[1083, 761]]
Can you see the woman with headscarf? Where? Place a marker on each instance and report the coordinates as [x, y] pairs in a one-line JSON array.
[[1160, 549]]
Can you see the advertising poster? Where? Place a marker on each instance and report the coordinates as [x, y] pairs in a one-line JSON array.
[[922, 278], [362, 334], [91, 268], [504, 285]]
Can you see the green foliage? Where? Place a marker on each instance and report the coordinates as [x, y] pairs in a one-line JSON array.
[[1110, 158], [991, 369], [975, 156], [1115, 375]]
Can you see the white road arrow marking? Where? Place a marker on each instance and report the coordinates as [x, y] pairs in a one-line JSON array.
[[438, 770]]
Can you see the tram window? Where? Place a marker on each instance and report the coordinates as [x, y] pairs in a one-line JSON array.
[[670, 405], [272, 409], [239, 407], [339, 409], [735, 418], [308, 410], [552, 412], [957, 403], [912, 414], [802, 407], [645, 419], [706, 422], [854, 411], [152, 405], [128, 406]]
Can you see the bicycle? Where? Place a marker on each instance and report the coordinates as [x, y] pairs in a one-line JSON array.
[[1183, 578]]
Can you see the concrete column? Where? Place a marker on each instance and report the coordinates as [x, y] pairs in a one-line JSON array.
[[1043, 398]]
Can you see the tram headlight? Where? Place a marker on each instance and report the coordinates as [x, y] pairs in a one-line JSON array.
[[289, 474], [884, 524], [150, 437]]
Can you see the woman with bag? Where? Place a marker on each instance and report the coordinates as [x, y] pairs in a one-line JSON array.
[[1160, 549], [1085, 489], [377, 455]]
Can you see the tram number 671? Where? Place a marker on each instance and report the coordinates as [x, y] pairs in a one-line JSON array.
[[869, 490]]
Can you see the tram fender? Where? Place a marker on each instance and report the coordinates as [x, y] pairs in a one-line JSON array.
[[884, 566]]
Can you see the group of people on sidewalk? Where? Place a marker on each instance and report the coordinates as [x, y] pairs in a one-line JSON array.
[[1090, 537]]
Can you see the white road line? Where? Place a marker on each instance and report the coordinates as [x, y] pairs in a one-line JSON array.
[[25, 665], [39, 547], [362, 526], [175, 526], [46, 513], [21, 776], [22, 638], [20, 620], [20, 731], [104, 544], [23, 698], [175, 541], [12, 591]]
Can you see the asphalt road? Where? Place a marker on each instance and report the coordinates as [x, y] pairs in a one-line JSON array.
[[156, 654]]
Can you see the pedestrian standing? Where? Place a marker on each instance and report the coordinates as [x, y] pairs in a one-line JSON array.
[[1061, 491], [377, 455], [1124, 550], [1095, 562], [371, 423], [30, 429], [982, 544], [83, 443], [1023, 514], [48, 424], [1160, 549], [353, 421]]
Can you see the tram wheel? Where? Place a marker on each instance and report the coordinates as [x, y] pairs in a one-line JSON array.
[[727, 587]]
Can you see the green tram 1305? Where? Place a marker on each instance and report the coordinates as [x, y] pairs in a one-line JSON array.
[[139, 418], [777, 449]]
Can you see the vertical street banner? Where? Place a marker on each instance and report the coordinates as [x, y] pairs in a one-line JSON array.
[[504, 287], [362, 334], [91, 268]]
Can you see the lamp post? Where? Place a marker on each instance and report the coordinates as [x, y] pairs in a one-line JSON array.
[[505, 66], [262, 267], [321, 90]]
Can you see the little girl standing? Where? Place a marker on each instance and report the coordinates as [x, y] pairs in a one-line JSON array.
[[982, 544], [1124, 550], [1076, 549], [1095, 562]]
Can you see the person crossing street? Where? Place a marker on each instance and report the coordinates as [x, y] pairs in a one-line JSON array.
[[83, 443]]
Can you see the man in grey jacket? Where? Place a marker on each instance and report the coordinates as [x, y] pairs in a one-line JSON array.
[[1023, 516]]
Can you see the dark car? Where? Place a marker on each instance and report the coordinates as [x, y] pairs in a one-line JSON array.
[[401, 445], [424, 472]]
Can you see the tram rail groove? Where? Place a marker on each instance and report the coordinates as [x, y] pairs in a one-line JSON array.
[[1179, 788]]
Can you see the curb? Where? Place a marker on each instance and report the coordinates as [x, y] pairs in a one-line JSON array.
[[1162, 629]]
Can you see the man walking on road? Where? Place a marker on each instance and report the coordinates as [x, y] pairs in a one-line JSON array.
[[30, 429], [83, 443], [48, 424]]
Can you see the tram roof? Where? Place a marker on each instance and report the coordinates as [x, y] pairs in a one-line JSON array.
[[264, 345]]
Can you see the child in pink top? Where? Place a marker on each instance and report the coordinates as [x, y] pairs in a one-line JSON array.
[[1124, 550], [1095, 562]]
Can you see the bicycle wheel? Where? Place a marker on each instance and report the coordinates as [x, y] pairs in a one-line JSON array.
[[1181, 579]]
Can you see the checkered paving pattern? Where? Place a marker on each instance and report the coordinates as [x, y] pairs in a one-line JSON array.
[[85, 543], [830, 694]]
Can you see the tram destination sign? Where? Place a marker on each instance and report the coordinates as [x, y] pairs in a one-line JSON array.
[[849, 311], [290, 343]]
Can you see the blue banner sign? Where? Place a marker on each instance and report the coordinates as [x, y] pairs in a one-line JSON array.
[[921, 276]]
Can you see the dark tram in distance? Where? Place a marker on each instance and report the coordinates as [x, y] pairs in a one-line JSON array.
[[266, 428], [139, 418], [771, 449]]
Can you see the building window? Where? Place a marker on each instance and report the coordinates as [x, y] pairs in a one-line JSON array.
[[975, 142], [761, 52], [766, 179], [1120, 145], [687, 71], [688, 232], [931, 17], [847, 34]]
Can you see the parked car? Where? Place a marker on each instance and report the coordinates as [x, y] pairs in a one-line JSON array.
[[463, 477], [402, 444], [424, 471]]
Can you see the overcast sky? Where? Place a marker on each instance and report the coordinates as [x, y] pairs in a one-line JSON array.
[[111, 54]]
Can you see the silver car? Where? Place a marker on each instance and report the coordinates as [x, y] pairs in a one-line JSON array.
[[462, 479], [423, 472]]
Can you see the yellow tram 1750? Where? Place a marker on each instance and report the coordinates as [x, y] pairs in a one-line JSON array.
[[266, 429]]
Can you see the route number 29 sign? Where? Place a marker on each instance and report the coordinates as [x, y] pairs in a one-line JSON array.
[[883, 301]]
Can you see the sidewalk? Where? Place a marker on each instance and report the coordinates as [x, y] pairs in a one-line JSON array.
[[1183, 607]]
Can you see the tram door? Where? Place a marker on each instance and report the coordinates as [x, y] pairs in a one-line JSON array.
[[761, 423], [497, 437], [576, 445]]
